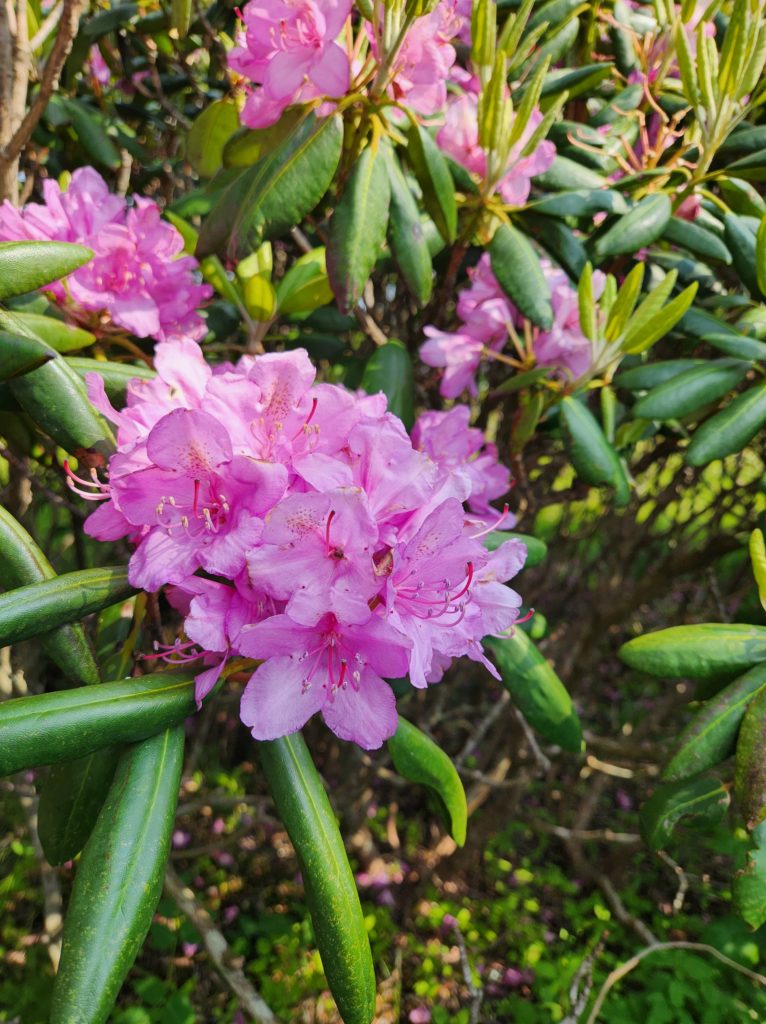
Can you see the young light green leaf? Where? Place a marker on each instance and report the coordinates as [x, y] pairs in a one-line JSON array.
[[305, 287], [586, 304], [757, 547]]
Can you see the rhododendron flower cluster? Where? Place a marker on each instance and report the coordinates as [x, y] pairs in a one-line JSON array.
[[137, 275], [289, 49], [459, 138], [488, 317], [299, 526]]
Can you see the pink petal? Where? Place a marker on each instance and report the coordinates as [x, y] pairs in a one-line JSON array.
[[276, 702], [366, 716]]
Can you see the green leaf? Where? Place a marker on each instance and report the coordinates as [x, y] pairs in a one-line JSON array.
[[757, 548], [358, 227], [419, 759], [517, 269], [624, 304], [710, 736], [594, 459], [701, 651], [691, 390], [210, 132], [59, 335], [25, 266], [730, 430], [561, 242], [696, 239], [389, 369], [71, 796], [651, 375], [580, 203], [433, 175], [336, 913], [180, 16], [750, 763], [749, 888], [409, 246], [91, 131], [741, 242], [22, 564], [760, 257], [565, 174], [586, 304], [641, 226], [653, 321], [119, 881], [20, 355], [536, 690], [305, 286], [704, 799], [268, 199], [53, 727], [519, 381], [116, 376], [39, 607], [537, 550]]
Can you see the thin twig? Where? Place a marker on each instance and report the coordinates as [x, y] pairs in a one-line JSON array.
[[476, 992], [218, 949], [660, 947], [51, 21]]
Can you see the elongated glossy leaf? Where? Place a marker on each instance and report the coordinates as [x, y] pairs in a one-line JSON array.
[[60, 336], [31, 610], [358, 227], [20, 355], [702, 651], [520, 381], [210, 132], [116, 376], [721, 336], [63, 726], [389, 369], [644, 224], [757, 549], [741, 243], [180, 16], [90, 129], [651, 375], [536, 690], [303, 806], [119, 880], [406, 237], [537, 550], [274, 195], [704, 799], [749, 888], [691, 390], [418, 758], [25, 266], [647, 327], [565, 174], [581, 203], [561, 242], [750, 763], [696, 239], [517, 269], [593, 458], [433, 175], [710, 736], [730, 430], [71, 797], [23, 563]]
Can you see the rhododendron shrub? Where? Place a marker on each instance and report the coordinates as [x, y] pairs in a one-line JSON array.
[[322, 326]]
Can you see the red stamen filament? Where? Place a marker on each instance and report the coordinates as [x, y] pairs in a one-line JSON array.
[[493, 526]]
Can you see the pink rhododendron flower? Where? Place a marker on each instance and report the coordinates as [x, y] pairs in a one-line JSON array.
[[137, 275], [289, 49], [564, 346], [460, 450], [422, 65], [459, 138], [339, 554]]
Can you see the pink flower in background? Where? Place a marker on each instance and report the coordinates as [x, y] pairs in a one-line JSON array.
[[339, 554], [137, 275], [459, 138], [97, 67], [289, 49], [564, 346]]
